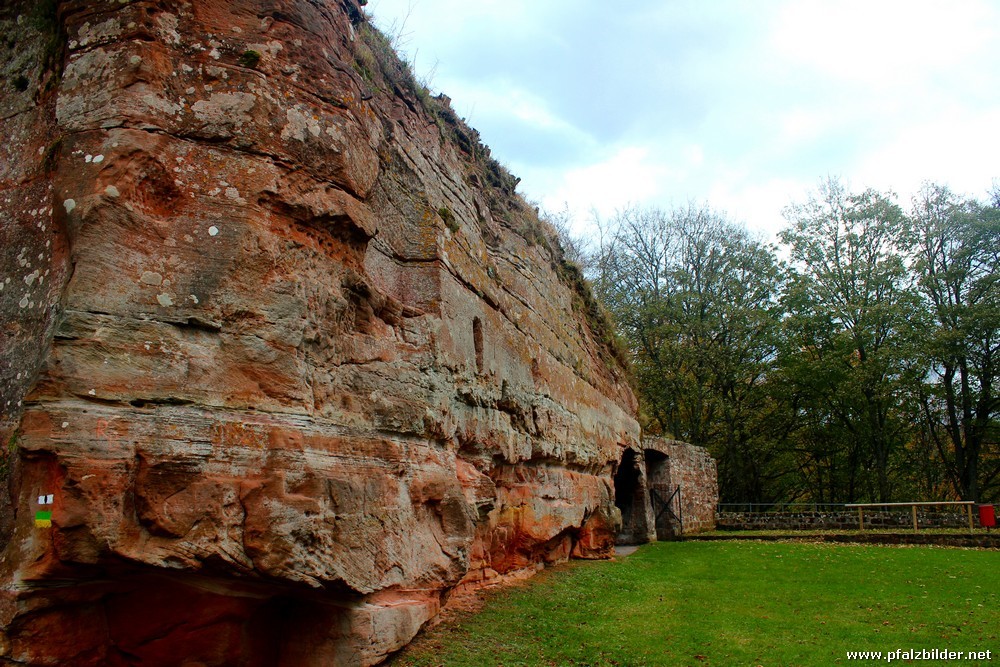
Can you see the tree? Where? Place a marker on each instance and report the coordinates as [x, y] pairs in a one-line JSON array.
[[695, 296], [864, 369], [955, 249], [850, 311]]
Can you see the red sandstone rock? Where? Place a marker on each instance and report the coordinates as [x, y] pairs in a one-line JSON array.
[[279, 340]]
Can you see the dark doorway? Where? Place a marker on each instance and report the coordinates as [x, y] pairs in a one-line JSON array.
[[631, 500]]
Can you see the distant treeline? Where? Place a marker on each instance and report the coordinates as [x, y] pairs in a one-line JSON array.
[[855, 361]]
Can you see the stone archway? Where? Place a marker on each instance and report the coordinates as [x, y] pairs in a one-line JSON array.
[[632, 498]]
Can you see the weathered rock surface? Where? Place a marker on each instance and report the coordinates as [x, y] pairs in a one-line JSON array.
[[289, 354]]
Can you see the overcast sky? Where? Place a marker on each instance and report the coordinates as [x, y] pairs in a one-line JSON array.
[[745, 105]]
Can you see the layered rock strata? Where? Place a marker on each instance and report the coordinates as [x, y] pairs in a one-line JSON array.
[[284, 357]]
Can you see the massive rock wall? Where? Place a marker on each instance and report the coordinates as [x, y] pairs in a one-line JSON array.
[[287, 352]]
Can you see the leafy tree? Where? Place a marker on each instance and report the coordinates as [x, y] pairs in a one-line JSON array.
[[695, 296], [850, 316], [955, 249], [865, 368]]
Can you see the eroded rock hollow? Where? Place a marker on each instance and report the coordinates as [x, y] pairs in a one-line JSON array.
[[285, 359]]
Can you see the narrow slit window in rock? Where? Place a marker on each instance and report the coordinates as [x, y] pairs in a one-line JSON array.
[[477, 340]]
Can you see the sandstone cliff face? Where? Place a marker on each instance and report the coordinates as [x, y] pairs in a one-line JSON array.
[[287, 353]]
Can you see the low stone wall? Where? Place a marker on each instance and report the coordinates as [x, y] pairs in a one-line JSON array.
[[664, 489], [838, 520], [978, 540]]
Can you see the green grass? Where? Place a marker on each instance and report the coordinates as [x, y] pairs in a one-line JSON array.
[[731, 603]]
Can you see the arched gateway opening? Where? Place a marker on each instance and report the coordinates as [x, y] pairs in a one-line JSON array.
[[648, 491], [631, 500]]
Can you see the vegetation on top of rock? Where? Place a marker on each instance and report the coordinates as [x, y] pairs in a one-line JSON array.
[[340, 341], [450, 221]]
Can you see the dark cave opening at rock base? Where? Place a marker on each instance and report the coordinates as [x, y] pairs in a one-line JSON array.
[[630, 500]]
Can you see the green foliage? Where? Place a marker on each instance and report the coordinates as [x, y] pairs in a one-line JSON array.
[[843, 375], [849, 327], [365, 63], [862, 369], [450, 221], [597, 316], [892, 333], [8, 453], [537, 229], [250, 59], [956, 261], [729, 603], [378, 63], [534, 232], [695, 298]]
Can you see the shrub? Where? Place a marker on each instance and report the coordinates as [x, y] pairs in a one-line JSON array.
[[250, 59], [450, 221]]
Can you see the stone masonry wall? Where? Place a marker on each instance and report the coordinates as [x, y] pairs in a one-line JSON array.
[[694, 470], [660, 467]]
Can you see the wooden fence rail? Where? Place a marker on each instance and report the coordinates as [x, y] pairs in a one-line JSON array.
[[861, 507]]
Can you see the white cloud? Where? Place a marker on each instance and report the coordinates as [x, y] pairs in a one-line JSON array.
[[509, 100], [956, 148], [885, 43], [627, 175], [743, 105], [757, 202]]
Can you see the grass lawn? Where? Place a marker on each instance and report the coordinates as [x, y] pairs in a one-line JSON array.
[[729, 604]]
